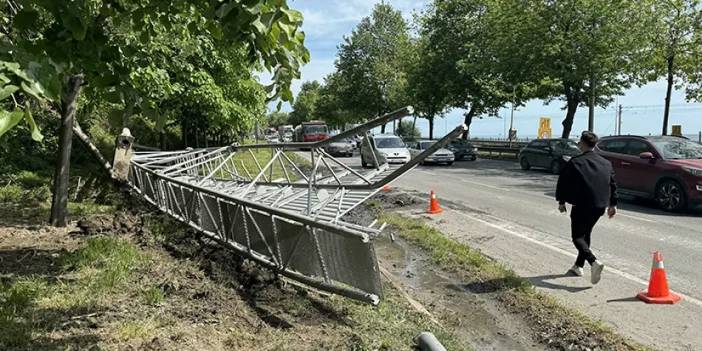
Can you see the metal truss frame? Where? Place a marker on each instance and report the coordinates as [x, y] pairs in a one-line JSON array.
[[292, 224]]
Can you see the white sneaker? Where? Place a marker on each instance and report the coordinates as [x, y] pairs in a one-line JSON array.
[[596, 271], [576, 271]]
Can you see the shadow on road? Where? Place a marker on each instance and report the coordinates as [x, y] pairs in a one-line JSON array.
[[625, 299], [547, 282]]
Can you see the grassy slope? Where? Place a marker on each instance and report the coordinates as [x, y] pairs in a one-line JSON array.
[[157, 287]]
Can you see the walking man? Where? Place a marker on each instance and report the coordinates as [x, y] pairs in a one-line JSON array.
[[587, 183]]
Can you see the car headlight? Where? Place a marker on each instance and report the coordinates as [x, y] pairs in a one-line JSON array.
[[694, 171], [566, 158], [475, 149]]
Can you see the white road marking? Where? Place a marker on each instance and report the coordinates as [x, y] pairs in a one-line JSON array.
[[561, 251]]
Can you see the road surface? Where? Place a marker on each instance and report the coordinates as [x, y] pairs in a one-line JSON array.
[[511, 215]]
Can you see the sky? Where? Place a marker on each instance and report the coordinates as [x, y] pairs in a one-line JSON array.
[[327, 22]]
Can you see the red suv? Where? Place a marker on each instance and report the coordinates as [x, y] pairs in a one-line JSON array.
[[664, 168]]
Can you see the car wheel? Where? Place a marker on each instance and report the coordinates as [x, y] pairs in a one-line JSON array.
[[556, 167], [671, 196], [449, 163], [524, 163], [473, 158]]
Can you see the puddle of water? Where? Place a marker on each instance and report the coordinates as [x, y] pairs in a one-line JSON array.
[[475, 318]]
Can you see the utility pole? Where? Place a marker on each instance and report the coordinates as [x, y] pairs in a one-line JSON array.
[[591, 114], [619, 121], [510, 133]]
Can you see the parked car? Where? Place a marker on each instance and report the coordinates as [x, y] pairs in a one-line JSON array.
[[463, 150], [666, 169], [551, 154], [388, 149], [341, 148], [287, 136], [441, 155]]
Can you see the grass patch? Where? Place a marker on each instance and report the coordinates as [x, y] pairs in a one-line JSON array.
[[392, 325], [16, 314], [131, 330], [452, 255], [105, 263], [516, 292], [153, 296]]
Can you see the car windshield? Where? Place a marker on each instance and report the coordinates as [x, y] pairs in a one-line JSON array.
[[426, 145], [389, 143], [564, 145], [678, 148], [316, 129]]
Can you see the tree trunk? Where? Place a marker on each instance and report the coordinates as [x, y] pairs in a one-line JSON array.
[[570, 115], [382, 129], [59, 202], [431, 127], [467, 121], [78, 131], [162, 140], [666, 111]]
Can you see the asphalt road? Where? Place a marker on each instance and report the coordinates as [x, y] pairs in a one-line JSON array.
[[511, 215]]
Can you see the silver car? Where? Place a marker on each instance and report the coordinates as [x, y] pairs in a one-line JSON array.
[[388, 149], [439, 156], [341, 148]]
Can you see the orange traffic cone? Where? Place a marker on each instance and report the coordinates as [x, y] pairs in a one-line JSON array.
[[658, 292], [434, 207]]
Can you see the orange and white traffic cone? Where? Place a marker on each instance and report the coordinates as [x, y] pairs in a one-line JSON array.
[[434, 207], [658, 291]]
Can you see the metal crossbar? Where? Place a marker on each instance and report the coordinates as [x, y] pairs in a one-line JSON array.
[[286, 215]]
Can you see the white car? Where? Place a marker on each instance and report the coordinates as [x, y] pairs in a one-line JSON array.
[[388, 149], [441, 155]]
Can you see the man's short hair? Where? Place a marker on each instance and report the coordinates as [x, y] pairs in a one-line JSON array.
[[589, 138]]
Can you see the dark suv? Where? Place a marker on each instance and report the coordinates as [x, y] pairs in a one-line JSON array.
[[664, 168], [463, 150], [551, 154]]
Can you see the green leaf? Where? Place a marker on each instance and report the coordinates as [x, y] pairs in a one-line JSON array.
[[9, 120], [7, 90], [114, 96], [25, 19], [33, 90], [114, 118], [46, 78], [36, 133], [74, 25]]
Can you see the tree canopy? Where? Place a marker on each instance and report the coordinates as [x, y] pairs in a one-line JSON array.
[[305, 106]]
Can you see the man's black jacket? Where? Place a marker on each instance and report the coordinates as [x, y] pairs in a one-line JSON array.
[[587, 181]]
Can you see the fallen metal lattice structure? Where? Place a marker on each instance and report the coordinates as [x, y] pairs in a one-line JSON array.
[[282, 214]]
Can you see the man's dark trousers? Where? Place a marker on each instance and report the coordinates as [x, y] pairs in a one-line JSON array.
[[582, 220]]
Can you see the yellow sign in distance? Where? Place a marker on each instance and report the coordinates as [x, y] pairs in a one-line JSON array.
[[544, 128], [677, 130]]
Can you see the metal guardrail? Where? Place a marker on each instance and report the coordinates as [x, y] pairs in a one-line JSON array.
[[292, 224]]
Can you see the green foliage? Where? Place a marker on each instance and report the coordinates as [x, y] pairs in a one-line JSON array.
[[128, 53], [305, 106], [407, 131], [371, 69], [560, 48], [278, 118], [456, 65]]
